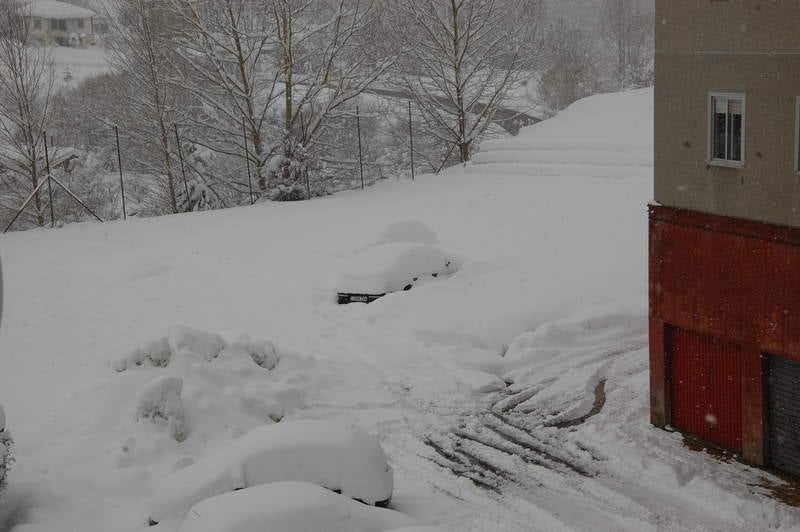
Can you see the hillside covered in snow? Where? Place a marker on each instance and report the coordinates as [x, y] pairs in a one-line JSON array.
[[511, 395]]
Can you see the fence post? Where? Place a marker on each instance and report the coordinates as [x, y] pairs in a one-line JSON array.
[[121, 182], [247, 157], [308, 185], [411, 139], [360, 153], [49, 184], [183, 169]]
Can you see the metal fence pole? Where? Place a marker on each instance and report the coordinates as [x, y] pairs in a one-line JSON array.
[[183, 169], [308, 185], [360, 153], [121, 181], [411, 139], [49, 184], [247, 157]]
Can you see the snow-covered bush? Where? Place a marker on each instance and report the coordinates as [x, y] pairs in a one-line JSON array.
[[5, 447], [156, 352], [290, 507], [160, 401], [185, 339], [336, 457]]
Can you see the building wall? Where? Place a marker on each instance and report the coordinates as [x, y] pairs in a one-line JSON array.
[[749, 46], [49, 36], [730, 279]]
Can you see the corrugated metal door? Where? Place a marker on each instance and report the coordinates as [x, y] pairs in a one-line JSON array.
[[706, 388], [784, 414]]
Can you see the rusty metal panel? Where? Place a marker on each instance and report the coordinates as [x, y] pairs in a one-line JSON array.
[[784, 415], [732, 279], [706, 387]]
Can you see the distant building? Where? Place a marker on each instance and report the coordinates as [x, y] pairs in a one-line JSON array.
[[53, 22], [725, 227]]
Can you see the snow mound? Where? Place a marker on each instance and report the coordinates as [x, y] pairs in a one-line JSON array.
[[262, 352], [392, 267], [160, 402], [407, 231], [157, 353], [188, 341], [288, 507], [208, 345], [625, 117], [340, 458]]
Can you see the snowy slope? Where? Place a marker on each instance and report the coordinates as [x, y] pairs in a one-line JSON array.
[[525, 371]]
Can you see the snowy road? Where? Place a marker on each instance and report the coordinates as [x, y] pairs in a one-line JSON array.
[[512, 396]]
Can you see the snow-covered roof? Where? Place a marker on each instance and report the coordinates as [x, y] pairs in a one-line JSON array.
[[52, 9]]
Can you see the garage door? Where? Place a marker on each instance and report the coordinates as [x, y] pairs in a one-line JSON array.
[[706, 388], [784, 414]]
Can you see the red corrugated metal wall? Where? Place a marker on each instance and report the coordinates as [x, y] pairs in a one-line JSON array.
[[706, 387]]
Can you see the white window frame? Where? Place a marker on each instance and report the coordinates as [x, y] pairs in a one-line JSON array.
[[710, 148], [797, 136]]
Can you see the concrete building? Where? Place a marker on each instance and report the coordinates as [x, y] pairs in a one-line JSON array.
[[725, 227], [53, 22]]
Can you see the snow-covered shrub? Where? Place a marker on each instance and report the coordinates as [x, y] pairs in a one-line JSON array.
[[5, 449], [160, 401], [185, 339], [290, 507], [156, 352], [191, 342], [339, 458], [262, 352], [288, 172]]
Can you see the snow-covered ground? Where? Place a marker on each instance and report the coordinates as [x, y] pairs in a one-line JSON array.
[[510, 396]]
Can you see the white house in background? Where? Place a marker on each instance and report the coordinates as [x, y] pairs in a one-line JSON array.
[[53, 22]]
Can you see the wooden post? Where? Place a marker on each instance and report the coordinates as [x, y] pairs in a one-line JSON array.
[[411, 139], [121, 182], [49, 184], [360, 154], [247, 157], [183, 170]]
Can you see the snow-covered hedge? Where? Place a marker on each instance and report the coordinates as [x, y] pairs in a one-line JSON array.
[[5, 449], [289, 507], [336, 457]]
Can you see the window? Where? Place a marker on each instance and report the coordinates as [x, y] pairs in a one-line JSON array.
[[726, 129], [80, 23], [58, 25], [37, 24]]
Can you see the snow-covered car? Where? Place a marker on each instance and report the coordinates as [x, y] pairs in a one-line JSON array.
[[390, 267], [338, 457], [289, 507]]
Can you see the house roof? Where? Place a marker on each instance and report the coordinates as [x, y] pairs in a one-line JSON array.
[[54, 10]]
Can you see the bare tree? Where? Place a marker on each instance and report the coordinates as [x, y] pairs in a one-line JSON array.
[[26, 84], [465, 57], [627, 29], [139, 54], [226, 45], [571, 72], [323, 67]]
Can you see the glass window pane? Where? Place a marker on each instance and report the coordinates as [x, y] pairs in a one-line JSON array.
[[735, 151], [719, 129]]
